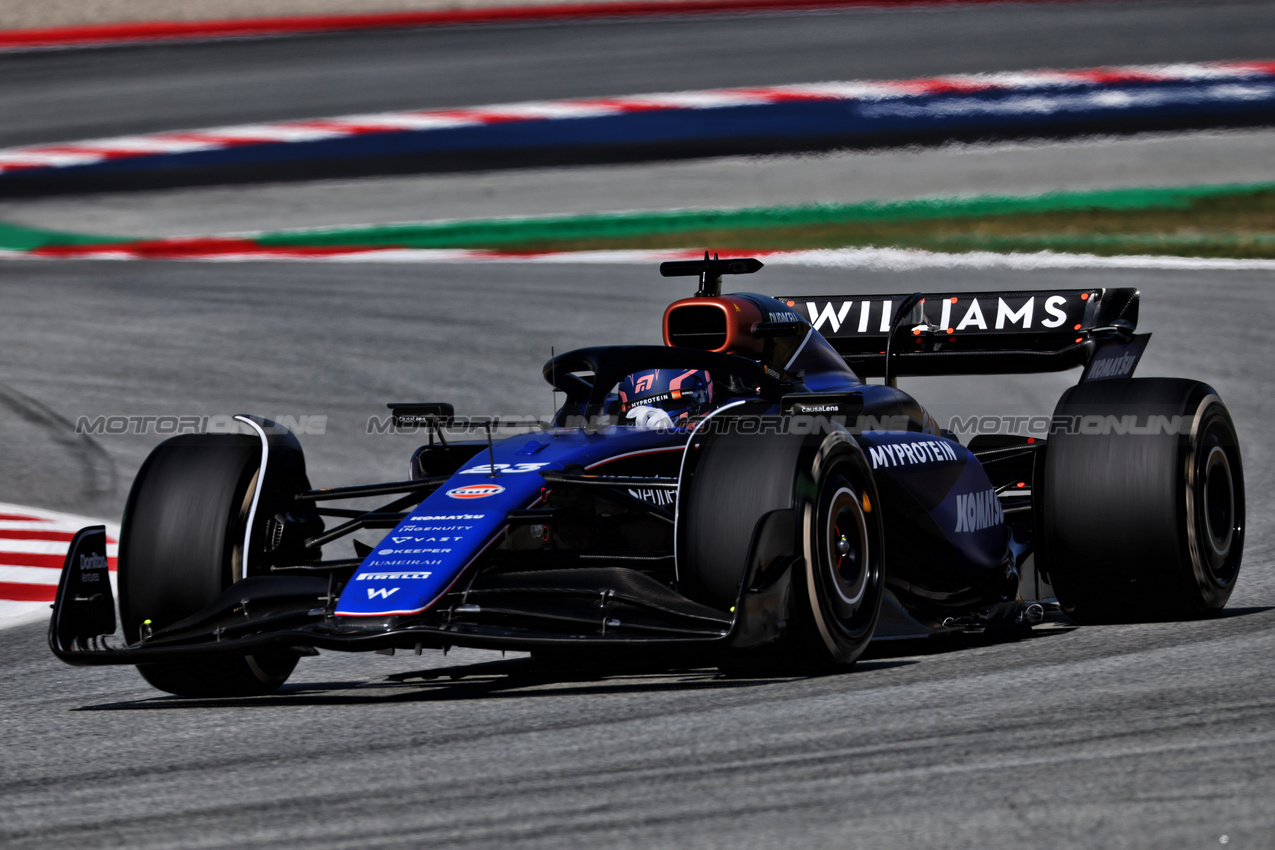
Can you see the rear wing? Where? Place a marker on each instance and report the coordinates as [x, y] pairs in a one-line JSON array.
[[971, 333]]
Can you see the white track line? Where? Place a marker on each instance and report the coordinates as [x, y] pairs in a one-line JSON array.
[[898, 259], [884, 259]]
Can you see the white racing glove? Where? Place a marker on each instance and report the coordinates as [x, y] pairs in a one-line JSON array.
[[649, 418]]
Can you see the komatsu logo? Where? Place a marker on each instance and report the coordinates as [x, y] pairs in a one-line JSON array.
[[447, 517], [977, 511], [1114, 367]]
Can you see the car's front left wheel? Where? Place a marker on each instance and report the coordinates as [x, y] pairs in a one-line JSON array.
[[181, 544]]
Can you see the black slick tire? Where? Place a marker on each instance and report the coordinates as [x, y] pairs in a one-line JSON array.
[[1140, 503], [181, 545], [838, 572]]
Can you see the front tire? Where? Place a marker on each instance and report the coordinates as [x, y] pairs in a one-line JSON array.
[[836, 547], [181, 545], [844, 549], [1141, 526]]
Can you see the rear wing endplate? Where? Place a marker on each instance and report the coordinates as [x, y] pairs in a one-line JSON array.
[[972, 333]]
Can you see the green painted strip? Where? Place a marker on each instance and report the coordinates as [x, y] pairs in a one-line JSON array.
[[499, 232], [944, 224], [17, 237], [1253, 246]]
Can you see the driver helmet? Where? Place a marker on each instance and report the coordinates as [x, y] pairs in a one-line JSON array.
[[681, 394]]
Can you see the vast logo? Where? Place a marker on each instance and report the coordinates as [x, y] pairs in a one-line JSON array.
[[475, 491]]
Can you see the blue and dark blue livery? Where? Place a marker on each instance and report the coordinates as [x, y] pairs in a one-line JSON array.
[[744, 490]]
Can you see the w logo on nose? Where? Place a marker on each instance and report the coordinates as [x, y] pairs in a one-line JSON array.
[[384, 593]]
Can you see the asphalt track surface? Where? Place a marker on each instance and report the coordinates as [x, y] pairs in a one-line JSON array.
[[1156, 735], [67, 95]]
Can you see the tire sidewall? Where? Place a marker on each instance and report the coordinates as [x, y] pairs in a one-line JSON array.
[[174, 563], [841, 624], [1210, 452], [1122, 519]]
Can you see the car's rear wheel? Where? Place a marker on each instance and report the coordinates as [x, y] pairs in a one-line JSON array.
[[181, 545], [1140, 501], [836, 543]]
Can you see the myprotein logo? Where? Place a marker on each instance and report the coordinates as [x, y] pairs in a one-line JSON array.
[[977, 511], [475, 491], [911, 453], [952, 314]]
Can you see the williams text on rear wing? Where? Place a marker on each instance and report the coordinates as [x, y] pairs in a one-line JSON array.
[[971, 333]]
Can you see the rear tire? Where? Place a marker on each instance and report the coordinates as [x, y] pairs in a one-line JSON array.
[[181, 545], [1150, 526], [838, 578]]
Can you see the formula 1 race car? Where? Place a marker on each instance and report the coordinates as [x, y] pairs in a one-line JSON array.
[[741, 494]]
